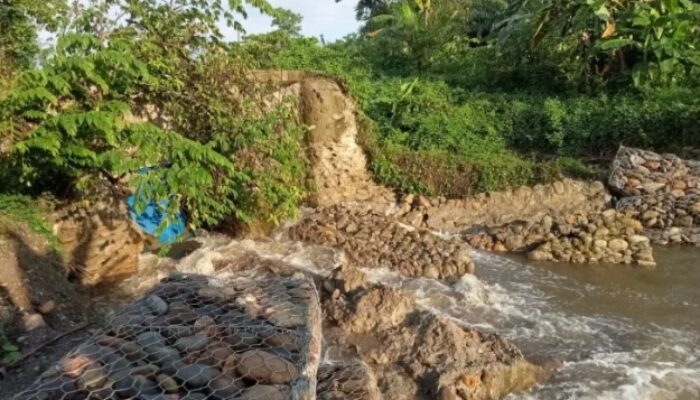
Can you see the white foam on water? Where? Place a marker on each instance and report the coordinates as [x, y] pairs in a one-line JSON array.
[[606, 357]]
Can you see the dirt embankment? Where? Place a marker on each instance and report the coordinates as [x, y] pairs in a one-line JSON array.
[[37, 304], [339, 163]]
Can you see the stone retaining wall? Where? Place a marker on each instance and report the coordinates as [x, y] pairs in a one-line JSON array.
[[100, 243], [496, 208], [608, 237], [373, 240], [662, 191]]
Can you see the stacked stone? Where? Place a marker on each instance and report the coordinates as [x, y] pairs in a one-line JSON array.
[[101, 243], [638, 172], [662, 191], [497, 208], [608, 237], [372, 240], [194, 338]]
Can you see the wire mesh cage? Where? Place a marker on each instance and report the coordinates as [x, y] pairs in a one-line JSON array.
[[195, 338]]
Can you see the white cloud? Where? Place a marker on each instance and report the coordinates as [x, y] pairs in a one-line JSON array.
[[321, 17]]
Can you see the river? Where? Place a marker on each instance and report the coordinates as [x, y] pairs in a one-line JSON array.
[[621, 332]]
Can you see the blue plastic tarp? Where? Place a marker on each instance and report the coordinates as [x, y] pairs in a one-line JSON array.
[[152, 217]]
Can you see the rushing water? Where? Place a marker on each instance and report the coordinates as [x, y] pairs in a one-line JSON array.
[[623, 333]]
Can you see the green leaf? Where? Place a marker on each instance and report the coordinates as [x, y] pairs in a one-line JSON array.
[[9, 347], [615, 43]]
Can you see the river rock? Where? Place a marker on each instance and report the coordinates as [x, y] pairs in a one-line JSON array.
[[157, 305], [266, 392], [618, 244], [226, 387], [168, 384], [196, 375], [265, 367], [150, 338], [192, 343]]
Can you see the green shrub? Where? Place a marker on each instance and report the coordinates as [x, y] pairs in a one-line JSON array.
[[486, 125]]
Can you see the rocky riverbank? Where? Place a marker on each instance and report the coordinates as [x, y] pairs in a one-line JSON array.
[[608, 237], [373, 240], [254, 327], [247, 321], [405, 346], [662, 191]]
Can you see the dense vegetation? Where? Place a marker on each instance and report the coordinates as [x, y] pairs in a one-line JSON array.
[[457, 96], [466, 96], [153, 100]]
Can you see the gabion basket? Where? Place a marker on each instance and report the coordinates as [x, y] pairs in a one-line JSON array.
[[196, 338]]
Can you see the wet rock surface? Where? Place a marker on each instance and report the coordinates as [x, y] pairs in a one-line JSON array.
[[662, 191], [373, 240], [417, 355], [608, 237], [199, 337]]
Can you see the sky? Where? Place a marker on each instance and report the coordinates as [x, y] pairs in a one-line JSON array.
[[321, 17]]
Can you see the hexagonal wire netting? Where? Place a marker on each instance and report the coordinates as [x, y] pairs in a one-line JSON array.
[[194, 338]]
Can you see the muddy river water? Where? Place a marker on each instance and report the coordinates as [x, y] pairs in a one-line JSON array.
[[621, 332]]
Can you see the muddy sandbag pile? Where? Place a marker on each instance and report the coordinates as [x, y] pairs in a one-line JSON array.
[[196, 338], [609, 237], [415, 354], [372, 240], [662, 191]]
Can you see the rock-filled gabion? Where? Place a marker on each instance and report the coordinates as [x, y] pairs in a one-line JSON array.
[[372, 240], [196, 338], [638, 172], [497, 208], [662, 191], [608, 237]]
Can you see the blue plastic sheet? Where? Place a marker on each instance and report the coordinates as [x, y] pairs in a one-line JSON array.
[[152, 217]]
